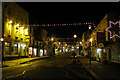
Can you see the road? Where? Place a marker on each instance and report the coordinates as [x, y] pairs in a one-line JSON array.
[[58, 67]]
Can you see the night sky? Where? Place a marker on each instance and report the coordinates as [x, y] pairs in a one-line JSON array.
[[66, 12]]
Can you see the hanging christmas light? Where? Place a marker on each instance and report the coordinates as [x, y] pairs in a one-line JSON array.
[[110, 26]]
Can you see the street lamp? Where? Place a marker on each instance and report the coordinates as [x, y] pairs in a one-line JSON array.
[[90, 49], [75, 36], [52, 39], [1, 39]]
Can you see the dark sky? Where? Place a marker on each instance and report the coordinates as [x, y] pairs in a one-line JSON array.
[[67, 12]]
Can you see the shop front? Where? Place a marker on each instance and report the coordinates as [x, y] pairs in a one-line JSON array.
[[41, 52], [101, 54], [34, 51], [115, 53], [30, 51]]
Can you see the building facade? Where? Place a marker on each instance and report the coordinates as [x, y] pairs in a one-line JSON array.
[[38, 42], [105, 39], [16, 36]]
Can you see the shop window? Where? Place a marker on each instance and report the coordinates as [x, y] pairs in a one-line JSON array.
[[7, 48], [15, 48]]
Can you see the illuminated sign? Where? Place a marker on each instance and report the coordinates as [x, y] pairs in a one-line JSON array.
[[112, 29]]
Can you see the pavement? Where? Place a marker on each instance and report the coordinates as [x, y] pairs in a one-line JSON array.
[[102, 71], [16, 62]]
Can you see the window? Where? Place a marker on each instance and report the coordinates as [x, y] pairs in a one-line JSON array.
[[7, 48], [26, 20], [9, 11], [15, 48]]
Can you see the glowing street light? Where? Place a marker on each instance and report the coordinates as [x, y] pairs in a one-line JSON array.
[[1, 39], [75, 36], [80, 42], [91, 40], [52, 39]]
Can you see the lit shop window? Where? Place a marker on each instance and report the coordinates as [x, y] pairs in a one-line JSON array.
[[21, 30], [45, 52], [15, 48], [41, 52], [30, 50], [26, 31], [35, 51]]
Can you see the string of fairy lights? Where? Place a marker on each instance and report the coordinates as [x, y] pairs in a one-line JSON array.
[[67, 24]]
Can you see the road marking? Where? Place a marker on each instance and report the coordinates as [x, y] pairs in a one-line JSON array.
[[16, 75], [93, 73]]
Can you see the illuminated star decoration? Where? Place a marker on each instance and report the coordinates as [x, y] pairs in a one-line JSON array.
[[111, 34]]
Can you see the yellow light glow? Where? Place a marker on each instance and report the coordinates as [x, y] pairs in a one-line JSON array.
[[75, 36], [10, 26], [26, 31], [17, 25], [22, 27], [65, 44], [21, 30], [91, 39], [80, 42], [1, 39], [4, 34], [30, 50], [10, 22], [59, 42], [52, 39]]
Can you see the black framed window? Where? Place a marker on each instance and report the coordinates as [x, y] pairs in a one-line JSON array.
[[7, 48]]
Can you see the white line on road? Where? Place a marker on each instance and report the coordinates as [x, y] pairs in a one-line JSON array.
[[16, 75]]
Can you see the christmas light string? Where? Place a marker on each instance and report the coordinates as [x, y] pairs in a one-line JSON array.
[[68, 24]]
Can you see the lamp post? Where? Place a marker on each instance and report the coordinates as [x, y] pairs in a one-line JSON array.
[[52, 39], [80, 48], [90, 49], [75, 36]]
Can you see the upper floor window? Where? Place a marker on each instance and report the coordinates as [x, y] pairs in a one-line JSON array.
[[9, 11], [25, 20]]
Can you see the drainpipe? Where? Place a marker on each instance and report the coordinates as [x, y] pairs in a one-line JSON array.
[[4, 5]]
